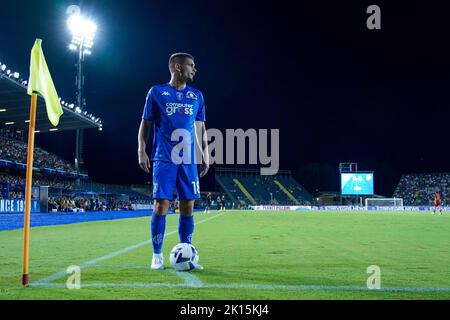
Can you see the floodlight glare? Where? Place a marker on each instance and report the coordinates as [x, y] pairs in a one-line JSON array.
[[72, 47], [83, 30], [75, 24]]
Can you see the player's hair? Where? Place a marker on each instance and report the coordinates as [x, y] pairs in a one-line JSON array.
[[178, 57]]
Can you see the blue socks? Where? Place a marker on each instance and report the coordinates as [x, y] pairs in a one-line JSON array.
[[186, 228], [158, 227]]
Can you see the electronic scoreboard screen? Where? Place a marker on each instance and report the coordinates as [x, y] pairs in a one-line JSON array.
[[360, 183]]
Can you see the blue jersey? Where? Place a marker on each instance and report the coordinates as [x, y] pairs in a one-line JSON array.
[[172, 109]]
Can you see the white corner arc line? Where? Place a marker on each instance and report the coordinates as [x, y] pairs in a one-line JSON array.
[[89, 263]]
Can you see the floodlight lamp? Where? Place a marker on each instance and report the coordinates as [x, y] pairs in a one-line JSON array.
[[89, 30], [82, 30], [75, 23]]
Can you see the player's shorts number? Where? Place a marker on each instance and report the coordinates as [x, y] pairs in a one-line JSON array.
[[196, 185]]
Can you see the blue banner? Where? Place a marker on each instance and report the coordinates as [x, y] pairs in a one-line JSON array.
[[17, 205]]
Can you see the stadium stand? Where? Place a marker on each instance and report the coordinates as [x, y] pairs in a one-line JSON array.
[[16, 151], [68, 191], [248, 187], [418, 189]]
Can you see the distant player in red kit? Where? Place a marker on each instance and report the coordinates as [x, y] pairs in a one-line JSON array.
[[437, 203]]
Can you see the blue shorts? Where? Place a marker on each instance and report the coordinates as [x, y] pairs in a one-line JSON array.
[[168, 176]]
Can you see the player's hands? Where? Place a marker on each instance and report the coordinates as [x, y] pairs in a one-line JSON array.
[[144, 161], [204, 167]]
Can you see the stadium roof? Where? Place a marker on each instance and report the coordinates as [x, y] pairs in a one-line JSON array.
[[15, 107]]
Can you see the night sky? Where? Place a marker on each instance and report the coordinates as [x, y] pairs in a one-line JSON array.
[[336, 90]]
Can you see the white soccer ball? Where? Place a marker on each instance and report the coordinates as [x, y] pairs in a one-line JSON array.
[[183, 257]]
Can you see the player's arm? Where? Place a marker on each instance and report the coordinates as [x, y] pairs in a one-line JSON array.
[[202, 140], [143, 135]]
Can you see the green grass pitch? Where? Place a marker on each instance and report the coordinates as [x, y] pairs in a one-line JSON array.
[[246, 255]]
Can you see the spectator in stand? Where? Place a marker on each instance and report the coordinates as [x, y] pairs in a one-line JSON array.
[[16, 151], [52, 205], [419, 189]]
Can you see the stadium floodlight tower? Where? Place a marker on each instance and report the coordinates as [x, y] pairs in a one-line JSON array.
[[83, 33]]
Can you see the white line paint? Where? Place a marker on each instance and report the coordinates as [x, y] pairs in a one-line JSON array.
[[249, 286], [121, 266], [190, 279], [61, 274]]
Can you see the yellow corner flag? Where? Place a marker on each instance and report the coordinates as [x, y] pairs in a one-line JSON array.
[[41, 82]]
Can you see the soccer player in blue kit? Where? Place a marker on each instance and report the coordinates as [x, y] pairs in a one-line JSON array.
[[174, 107]]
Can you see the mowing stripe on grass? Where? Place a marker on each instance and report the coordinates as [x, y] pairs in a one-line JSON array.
[[250, 286], [89, 263]]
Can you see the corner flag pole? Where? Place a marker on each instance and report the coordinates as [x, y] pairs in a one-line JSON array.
[[40, 82], [29, 180]]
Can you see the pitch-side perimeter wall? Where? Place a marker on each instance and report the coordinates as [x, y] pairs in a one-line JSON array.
[[346, 208]]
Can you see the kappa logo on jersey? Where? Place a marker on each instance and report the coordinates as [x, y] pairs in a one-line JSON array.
[[165, 93], [180, 96], [191, 95]]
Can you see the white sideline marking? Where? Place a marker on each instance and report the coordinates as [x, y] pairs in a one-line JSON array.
[[250, 286], [89, 263]]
